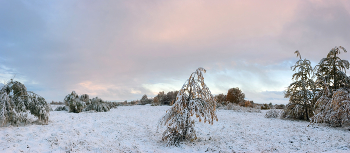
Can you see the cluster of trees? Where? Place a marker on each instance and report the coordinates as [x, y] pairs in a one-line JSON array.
[[320, 94], [161, 99], [165, 99], [16, 103], [234, 96], [81, 103]]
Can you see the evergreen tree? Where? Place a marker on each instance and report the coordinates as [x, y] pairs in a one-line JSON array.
[[194, 98], [333, 106], [301, 92], [331, 71]]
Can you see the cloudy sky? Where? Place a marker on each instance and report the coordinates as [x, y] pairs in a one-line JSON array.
[[120, 50]]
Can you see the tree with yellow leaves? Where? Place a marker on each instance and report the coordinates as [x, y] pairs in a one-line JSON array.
[[194, 99]]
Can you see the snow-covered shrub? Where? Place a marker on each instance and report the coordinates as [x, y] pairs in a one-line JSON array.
[[38, 106], [16, 103], [334, 111], [75, 104], [81, 103], [272, 113], [281, 106], [194, 98], [112, 104], [62, 108], [219, 105], [237, 108], [85, 98], [265, 106], [232, 106], [98, 105]]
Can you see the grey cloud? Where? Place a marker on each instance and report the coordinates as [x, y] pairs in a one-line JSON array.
[[318, 28], [59, 44]]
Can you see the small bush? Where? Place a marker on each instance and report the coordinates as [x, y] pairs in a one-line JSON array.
[[265, 106], [62, 108], [236, 107], [281, 106], [334, 111], [273, 113], [56, 103], [99, 105]]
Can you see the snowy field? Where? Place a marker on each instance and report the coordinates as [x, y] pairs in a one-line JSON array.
[[134, 129]]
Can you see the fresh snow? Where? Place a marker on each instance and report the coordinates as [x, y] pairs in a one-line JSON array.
[[134, 129]]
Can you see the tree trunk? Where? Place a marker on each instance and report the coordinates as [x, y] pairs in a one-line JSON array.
[[334, 73], [188, 115]]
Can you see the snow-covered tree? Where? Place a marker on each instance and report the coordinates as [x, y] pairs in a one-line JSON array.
[[333, 105], [334, 111], [194, 98], [16, 103], [144, 100], [331, 71], [301, 92]]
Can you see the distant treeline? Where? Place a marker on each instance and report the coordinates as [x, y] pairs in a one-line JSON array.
[[233, 96]]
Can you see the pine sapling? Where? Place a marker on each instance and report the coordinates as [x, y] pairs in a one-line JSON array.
[[194, 99]]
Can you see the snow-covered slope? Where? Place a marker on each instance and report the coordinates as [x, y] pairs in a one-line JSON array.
[[134, 129]]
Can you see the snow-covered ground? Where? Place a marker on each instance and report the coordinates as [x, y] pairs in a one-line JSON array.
[[134, 129]]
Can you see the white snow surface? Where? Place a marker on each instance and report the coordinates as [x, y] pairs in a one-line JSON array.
[[134, 129]]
